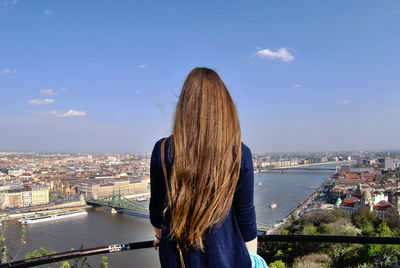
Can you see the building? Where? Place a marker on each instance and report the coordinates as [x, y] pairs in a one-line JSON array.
[[40, 195], [382, 208], [335, 193], [345, 169], [347, 205], [96, 190], [15, 172], [375, 202], [13, 199], [24, 197], [389, 163]]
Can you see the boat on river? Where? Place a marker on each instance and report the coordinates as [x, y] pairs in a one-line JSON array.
[[43, 218], [273, 205]]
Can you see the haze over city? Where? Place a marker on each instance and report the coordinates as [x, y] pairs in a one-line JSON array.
[[104, 76]]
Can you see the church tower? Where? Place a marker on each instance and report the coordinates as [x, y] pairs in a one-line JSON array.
[[366, 200], [397, 202]]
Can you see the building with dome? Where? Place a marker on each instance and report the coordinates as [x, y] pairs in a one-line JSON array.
[[366, 200]]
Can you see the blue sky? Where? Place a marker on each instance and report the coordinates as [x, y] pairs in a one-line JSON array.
[[104, 76]]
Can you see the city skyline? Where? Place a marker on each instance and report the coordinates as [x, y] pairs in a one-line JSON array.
[[105, 76]]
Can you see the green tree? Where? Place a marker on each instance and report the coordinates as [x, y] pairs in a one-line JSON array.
[[384, 230], [277, 264], [392, 219], [342, 227], [309, 229], [38, 253], [4, 248], [366, 221]]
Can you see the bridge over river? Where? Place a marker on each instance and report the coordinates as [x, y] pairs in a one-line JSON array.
[[311, 169], [118, 202]]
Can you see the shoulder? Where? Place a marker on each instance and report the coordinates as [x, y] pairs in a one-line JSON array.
[[246, 165], [246, 150], [246, 154], [156, 154], [157, 145]]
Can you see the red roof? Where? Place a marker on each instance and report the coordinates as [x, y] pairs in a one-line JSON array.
[[351, 181], [382, 207], [339, 189], [351, 175], [370, 175], [348, 203]]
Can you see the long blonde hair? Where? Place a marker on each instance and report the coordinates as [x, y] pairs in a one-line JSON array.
[[206, 145]]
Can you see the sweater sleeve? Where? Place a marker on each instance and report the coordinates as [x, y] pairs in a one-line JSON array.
[[244, 198], [156, 188]]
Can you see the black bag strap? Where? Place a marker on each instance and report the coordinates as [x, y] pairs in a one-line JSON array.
[[164, 169]]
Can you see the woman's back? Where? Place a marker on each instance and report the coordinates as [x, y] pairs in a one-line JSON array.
[[207, 185], [224, 243]]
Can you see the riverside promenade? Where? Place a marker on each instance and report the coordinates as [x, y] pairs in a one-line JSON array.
[[256, 170], [315, 164], [320, 193]]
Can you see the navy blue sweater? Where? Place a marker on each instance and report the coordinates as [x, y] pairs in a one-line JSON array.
[[224, 244]]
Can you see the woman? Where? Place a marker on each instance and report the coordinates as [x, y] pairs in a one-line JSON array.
[[204, 216]]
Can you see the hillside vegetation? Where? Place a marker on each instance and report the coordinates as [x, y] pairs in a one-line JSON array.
[[362, 222]]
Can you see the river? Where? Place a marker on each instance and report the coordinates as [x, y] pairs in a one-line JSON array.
[[101, 228]]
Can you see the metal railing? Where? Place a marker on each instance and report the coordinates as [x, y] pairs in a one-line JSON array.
[[148, 244]]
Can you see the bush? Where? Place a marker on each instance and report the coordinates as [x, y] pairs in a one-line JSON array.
[[277, 264], [310, 254], [313, 261], [366, 221]]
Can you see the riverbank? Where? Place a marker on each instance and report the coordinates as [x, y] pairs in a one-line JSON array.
[[320, 193], [302, 165], [139, 196]]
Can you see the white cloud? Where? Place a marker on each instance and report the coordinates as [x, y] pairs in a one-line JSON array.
[[48, 92], [64, 89], [137, 91], [282, 54], [8, 71], [70, 113], [142, 66], [48, 12], [346, 101], [41, 101], [297, 85]]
